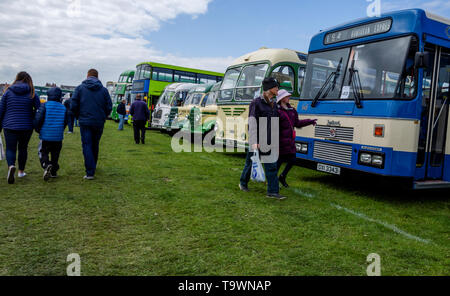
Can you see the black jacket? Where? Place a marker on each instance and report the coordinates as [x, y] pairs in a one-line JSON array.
[[91, 103], [121, 109]]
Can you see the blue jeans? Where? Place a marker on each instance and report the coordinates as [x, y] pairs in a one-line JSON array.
[[271, 170], [75, 122], [70, 120], [90, 137], [17, 140], [122, 119]]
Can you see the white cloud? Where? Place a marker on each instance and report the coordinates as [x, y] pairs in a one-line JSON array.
[[58, 41]]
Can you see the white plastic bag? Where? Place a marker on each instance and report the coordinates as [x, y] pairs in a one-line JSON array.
[[258, 174], [2, 149]]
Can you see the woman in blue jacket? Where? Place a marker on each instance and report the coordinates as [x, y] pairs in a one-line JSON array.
[[17, 110]]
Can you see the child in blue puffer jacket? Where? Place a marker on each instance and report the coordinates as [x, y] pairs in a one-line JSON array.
[[50, 122]]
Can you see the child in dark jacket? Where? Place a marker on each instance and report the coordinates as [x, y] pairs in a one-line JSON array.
[[288, 123], [51, 120]]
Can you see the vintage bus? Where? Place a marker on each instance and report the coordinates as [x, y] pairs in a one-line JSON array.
[[172, 96], [243, 83], [379, 89], [151, 78], [179, 118], [122, 91], [202, 118]]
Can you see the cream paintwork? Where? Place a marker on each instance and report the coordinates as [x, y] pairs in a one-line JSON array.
[[273, 55], [399, 134]]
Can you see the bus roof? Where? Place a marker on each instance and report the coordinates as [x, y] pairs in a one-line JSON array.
[[128, 73], [202, 88], [404, 22], [273, 55], [178, 86], [181, 68]]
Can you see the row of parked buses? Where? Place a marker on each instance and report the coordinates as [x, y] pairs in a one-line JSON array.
[[379, 88]]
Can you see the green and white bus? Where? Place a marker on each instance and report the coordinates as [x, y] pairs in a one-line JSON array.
[[122, 91], [151, 79], [243, 83]]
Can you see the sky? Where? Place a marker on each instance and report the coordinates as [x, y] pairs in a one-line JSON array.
[[57, 41]]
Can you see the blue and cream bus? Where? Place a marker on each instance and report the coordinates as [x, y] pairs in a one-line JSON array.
[[379, 88]]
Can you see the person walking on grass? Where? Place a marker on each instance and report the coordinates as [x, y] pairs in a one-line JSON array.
[[288, 122], [51, 120], [122, 111], [91, 104], [17, 110], [141, 114], [262, 111], [71, 118]]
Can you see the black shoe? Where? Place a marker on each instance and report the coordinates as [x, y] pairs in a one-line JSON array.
[[11, 178], [282, 180], [143, 142], [243, 188], [276, 196], [47, 172]]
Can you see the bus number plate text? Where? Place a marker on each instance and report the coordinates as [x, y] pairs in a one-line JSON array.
[[328, 169]]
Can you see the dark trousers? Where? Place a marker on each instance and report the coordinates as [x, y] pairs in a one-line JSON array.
[[271, 174], [90, 138], [71, 120], [289, 159], [17, 140], [53, 150], [139, 130]]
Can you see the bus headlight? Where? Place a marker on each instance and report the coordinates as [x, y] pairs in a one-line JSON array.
[[377, 160], [365, 158], [301, 148], [374, 159], [197, 118], [244, 136]]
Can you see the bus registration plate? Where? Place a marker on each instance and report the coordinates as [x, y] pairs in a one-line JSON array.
[[328, 169]]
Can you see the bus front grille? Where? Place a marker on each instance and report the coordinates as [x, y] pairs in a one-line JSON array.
[[235, 112], [335, 133], [333, 152]]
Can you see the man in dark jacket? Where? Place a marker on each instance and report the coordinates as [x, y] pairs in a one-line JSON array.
[[71, 118], [263, 110], [91, 104], [122, 111], [141, 114], [51, 120]]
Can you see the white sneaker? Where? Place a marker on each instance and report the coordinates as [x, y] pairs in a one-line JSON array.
[[11, 172], [22, 175], [88, 178]]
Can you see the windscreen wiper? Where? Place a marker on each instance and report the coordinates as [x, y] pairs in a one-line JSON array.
[[355, 82], [335, 76]]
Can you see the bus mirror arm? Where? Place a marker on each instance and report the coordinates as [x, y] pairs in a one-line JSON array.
[[422, 59]]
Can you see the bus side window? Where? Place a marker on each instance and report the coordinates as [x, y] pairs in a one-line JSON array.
[[285, 76]]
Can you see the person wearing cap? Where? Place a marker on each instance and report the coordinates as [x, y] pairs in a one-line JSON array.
[[263, 107], [288, 123], [50, 122]]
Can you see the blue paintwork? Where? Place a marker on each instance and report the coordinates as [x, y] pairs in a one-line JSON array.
[[401, 164]]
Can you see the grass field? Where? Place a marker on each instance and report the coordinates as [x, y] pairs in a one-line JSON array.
[[151, 211]]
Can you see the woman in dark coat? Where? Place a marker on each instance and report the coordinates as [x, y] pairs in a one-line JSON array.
[[288, 122], [17, 110]]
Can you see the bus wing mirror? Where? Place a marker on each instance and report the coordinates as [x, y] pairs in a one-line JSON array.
[[422, 59]]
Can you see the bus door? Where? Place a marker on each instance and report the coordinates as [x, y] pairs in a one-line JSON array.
[[436, 111]]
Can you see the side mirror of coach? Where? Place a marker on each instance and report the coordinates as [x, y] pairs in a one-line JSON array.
[[422, 60]]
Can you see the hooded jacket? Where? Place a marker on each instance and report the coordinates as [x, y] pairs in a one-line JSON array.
[[52, 118], [17, 108], [91, 103], [288, 122]]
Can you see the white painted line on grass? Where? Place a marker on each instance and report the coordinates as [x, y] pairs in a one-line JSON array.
[[308, 195], [389, 226]]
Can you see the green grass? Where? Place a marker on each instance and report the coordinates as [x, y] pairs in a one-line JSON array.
[[151, 211]]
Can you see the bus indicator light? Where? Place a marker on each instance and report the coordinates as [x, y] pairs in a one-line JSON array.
[[379, 131]]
